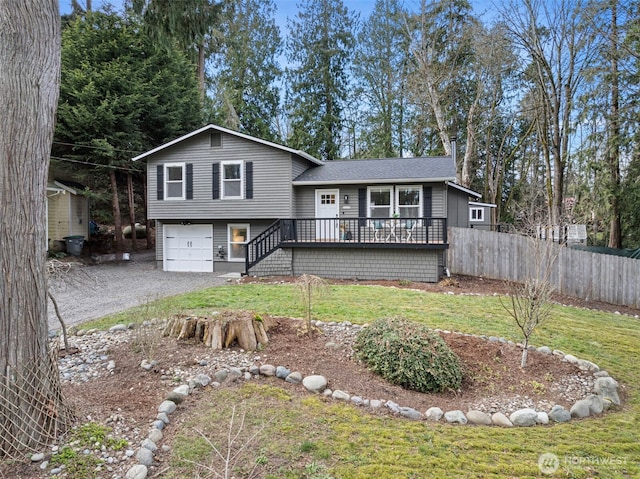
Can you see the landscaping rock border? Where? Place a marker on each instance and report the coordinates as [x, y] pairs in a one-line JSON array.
[[604, 396]]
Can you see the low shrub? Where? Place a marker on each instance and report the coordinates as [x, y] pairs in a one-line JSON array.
[[410, 355]]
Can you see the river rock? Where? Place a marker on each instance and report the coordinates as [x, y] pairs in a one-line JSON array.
[[268, 370], [455, 417], [315, 383], [341, 395], [434, 414], [500, 419], [410, 413], [596, 403], [294, 378], [282, 372], [167, 407], [478, 417], [543, 418], [580, 409], [524, 417], [139, 471], [607, 387], [559, 414], [144, 456]]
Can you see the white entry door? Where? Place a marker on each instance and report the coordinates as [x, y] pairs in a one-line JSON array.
[[327, 212], [188, 248]]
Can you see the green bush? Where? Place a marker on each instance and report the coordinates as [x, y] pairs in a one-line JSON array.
[[410, 355]]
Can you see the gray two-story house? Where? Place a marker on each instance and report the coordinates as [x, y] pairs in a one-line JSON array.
[[226, 201]]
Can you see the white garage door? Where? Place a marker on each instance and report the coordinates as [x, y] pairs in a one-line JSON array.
[[188, 248]]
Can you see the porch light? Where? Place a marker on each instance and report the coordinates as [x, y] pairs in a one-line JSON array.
[[346, 199]]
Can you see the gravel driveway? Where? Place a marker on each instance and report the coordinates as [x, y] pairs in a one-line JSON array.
[[107, 288]]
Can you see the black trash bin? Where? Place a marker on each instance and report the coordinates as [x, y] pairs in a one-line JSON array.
[[74, 244]]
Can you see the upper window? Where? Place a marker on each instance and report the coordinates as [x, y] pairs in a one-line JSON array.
[[232, 179], [380, 202], [174, 181], [476, 214], [409, 201]]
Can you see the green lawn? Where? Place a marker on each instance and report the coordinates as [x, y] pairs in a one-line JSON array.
[[313, 438]]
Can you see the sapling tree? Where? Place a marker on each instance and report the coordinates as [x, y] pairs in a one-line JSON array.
[[530, 301], [308, 286]]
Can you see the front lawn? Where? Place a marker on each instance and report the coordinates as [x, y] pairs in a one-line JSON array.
[[306, 437]]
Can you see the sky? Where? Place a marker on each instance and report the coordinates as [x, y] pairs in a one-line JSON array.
[[285, 8]]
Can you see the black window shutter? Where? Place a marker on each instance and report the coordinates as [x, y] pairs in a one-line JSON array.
[[160, 180], [216, 181], [362, 206], [428, 198], [189, 181], [248, 180]]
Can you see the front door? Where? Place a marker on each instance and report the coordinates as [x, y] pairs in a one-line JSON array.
[[327, 212]]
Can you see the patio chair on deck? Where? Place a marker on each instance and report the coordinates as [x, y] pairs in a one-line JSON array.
[[409, 227], [378, 228]]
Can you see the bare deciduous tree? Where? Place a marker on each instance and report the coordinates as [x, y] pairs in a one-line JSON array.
[[309, 285], [531, 301], [558, 48]]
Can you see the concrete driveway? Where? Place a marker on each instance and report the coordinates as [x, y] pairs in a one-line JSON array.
[[99, 290]]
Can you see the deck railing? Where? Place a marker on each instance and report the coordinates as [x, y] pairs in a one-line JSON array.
[[348, 232], [398, 231]]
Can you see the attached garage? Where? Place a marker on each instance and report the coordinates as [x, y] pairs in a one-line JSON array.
[[188, 248]]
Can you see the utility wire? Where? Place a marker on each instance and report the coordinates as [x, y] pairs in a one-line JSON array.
[[95, 147], [113, 167]]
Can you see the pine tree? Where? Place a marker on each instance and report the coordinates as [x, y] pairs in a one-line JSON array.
[[319, 51]]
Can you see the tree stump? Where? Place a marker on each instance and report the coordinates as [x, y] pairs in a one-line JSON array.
[[222, 329]]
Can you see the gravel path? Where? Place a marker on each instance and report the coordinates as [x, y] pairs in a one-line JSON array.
[[107, 288]]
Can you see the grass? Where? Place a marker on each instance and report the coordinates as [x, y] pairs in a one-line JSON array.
[[313, 438]]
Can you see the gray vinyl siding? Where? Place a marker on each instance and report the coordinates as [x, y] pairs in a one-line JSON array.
[[305, 200], [272, 175], [457, 209], [219, 238]]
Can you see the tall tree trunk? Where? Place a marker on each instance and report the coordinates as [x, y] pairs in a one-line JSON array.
[[132, 212], [615, 230], [201, 70], [146, 216], [117, 217], [30, 397]]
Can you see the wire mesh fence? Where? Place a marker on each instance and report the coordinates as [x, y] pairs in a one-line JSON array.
[[33, 412]]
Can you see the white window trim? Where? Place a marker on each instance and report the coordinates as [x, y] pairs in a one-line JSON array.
[[222, 179], [389, 188], [229, 242], [479, 217], [419, 206], [167, 181]]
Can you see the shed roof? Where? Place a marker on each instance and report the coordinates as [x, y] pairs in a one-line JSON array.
[[382, 170]]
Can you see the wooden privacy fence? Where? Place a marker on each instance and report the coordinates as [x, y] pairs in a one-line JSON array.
[[581, 274]]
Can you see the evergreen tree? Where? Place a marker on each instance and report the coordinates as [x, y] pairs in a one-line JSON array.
[[245, 92], [319, 51], [119, 96], [380, 74]]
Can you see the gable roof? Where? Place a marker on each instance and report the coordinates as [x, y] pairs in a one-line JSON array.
[[300, 153], [384, 170]]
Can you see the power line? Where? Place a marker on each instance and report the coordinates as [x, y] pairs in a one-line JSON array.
[[76, 145], [113, 167]]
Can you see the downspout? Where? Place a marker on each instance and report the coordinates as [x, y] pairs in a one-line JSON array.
[[454, 157]]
